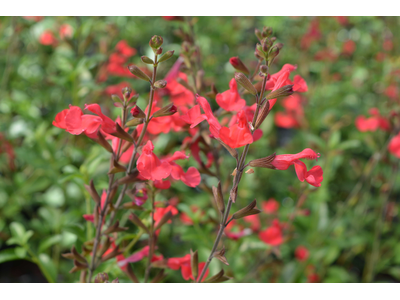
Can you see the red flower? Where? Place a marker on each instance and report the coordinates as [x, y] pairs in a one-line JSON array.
[[313, 34], [230, 100], [239, 134], [66, 31], [75, 122], [47, 38], [273, 234], [107, 125], [149, 165], [394, 146], [313, 278], [299, 84], [183, 263], [364, 124], [270, 206], [313, 177], [6, 147], [173, 18], [301, 253], [191, 178], [138, 256], [254, 220], [349, 47], [123, 48]]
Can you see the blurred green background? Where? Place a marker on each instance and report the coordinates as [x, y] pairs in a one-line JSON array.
[[350, 224]]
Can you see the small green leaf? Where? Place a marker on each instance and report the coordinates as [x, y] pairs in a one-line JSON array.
[[8, 255], [20, 252], [49, 242]]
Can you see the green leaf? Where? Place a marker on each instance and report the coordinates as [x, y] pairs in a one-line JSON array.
[[20, 252], [8, 255], [49, 242]]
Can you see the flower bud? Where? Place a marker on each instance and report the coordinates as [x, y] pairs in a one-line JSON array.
[[218, 198], [167, 55], [159, 51], [265, 162], [284, 91], [138, 73], [220, 255], [247, 211], [127, 92], [245, 82], [147, 60], [266, 44], [135, 122], [160, 84], [264, 69], [263, 113], [122, 134], [92, 191], [116, 280], [101, 278], [137, 112], [258, 34], [168, 110], [239, 65], [267, 31], [156, 41], [274, 52]]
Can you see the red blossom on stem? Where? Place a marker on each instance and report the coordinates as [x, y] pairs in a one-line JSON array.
[[239, 134], [150, 166], [230, 100], [273, 234], [301, 253]]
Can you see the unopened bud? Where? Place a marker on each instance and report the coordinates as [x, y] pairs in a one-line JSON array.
[[218, 198], [138, 73], [167, 55], [156, 41], [284, 91], [265, 162], [168, 110], [121, 133], [239, 65], [263, 113], [135, 122], [258, 34], [164, 219], [159, 51], [267, 31], [147, 60], [264, 69], [245, 82], [274, 52], [160, 84], [103, 142], [135, 220], [266, 44], [127, 92], [101, 278], [137, 112], [247, 211]]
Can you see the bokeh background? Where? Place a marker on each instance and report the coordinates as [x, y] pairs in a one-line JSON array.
[[349, 226]]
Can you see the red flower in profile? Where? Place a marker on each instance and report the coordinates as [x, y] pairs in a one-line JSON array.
[[254, 221], [293, 115], [230, 100], [191, 178], [273, 234], [179, 95], [183, 263], [138, 256], [270, 206], [66, 31], [313, 177], [301, 253], [75, 122], [394, 146], [149, 165], [107, 124], [47, 38], [239, 134]]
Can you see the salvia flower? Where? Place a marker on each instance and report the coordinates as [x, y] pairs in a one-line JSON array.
[[230, 100], [301, 253], [270, 206], [150, 166], [394, 146], [314, 176], [273, 234], [239, 134]]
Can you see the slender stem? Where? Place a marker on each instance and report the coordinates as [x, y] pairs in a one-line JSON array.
[[151, 237], [236, 181], [111, 178]]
